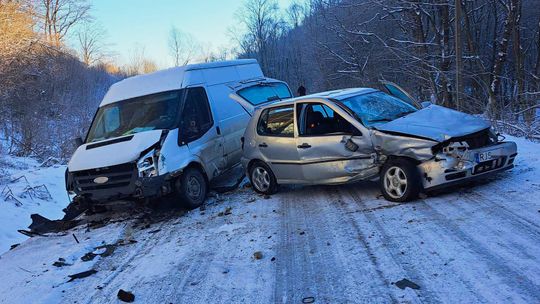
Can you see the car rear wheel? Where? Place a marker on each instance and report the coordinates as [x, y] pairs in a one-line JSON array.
[[400, 180], [262, 178], [191, 188]]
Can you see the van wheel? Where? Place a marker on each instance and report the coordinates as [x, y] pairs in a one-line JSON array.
[[191, 188], [400, 180], [262, 178]]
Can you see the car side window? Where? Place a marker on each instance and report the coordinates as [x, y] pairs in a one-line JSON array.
[[196, 115], [317, 119], [278, 121]]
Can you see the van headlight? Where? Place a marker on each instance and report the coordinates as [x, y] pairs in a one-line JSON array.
[[147, 165]]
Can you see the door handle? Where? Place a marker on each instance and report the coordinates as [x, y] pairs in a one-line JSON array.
[[218, 130], [263, 145], [304, 146]]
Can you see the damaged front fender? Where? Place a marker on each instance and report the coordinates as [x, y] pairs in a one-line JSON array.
[[396, 144]]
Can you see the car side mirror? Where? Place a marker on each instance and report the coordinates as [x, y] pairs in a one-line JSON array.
[[78, 142], [426, 104]]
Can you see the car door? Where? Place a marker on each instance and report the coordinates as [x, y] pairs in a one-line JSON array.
[[396, 91], [197, 131], [277, 144], [330, 148]]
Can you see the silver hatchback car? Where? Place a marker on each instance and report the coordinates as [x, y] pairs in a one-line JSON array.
[[362, 134]]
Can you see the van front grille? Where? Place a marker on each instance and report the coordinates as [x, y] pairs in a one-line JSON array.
[[118, 176]]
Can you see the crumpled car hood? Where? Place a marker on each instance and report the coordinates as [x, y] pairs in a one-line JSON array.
[[435, 123], [113, 154]]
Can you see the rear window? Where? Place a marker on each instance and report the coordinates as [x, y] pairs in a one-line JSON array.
[[265, 92], [277, 121]]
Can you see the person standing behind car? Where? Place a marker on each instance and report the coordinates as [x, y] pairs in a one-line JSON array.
[[301, 91]]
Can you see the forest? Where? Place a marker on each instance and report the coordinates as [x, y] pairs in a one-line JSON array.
[[477, 56]]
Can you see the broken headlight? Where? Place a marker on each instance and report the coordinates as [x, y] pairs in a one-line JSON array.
[[147, 165]]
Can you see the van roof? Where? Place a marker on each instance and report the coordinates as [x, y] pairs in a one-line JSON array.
[[180, 77]]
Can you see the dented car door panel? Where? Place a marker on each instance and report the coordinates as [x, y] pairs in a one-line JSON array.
[[327, 159]]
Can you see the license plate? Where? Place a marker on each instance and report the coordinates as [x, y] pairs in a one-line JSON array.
[[487, 155]]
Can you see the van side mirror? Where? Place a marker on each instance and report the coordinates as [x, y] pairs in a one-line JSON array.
[[77, 142], [425, 104]]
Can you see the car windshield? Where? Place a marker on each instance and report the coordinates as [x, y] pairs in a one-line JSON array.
[[265, 92], [152, 112], [377, 107]]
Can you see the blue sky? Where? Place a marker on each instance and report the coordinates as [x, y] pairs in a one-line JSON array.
[[147, 23]]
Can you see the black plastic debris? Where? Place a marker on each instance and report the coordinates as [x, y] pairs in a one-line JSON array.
[[109, 250], [41, 225], [404, 283], [81, 275], [125, 296], [60, 263]]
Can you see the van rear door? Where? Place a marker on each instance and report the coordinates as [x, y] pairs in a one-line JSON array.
[[256, 93]]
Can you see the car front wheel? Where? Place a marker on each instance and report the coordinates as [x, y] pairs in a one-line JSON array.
[[262, 178], [400, 180]]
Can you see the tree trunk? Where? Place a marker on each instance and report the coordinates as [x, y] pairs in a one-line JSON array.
[[500, 59]]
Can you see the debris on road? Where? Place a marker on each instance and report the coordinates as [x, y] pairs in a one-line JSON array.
[[125, 296], [404, 283], [258, 255], [308, 300], [81, 275], [41, 225], [227, 211], [61, 263]]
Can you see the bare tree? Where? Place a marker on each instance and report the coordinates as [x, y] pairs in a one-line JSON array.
[[182, 46], [262, 22], [60, 16], [92, 47], [138, 63]]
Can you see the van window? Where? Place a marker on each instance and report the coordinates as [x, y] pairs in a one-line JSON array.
[[265, 92], [277, 121], [196, 115], [316, 119]]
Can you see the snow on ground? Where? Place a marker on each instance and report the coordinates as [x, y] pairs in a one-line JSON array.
[[27, 187], [337, 244]]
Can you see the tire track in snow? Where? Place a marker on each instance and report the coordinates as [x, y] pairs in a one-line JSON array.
[[317, 254], [496, 264], [405, 265]]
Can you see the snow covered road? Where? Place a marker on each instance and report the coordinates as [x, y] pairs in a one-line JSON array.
[[338, 244]]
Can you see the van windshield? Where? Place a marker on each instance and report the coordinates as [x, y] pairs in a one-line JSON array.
[[151, 112], [265, 92]]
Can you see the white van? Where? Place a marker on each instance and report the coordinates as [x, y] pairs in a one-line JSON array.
[[170, 132]]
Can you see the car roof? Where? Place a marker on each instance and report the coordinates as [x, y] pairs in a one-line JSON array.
[[334, 94]]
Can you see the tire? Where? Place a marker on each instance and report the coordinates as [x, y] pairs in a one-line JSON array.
[[191, 188], [400, 180], [262, 178]]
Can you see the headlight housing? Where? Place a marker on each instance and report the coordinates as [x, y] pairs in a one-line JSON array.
[[147, 165]]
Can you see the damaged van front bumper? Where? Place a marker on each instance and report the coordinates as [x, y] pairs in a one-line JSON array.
[[116, 183], [444, 170]]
